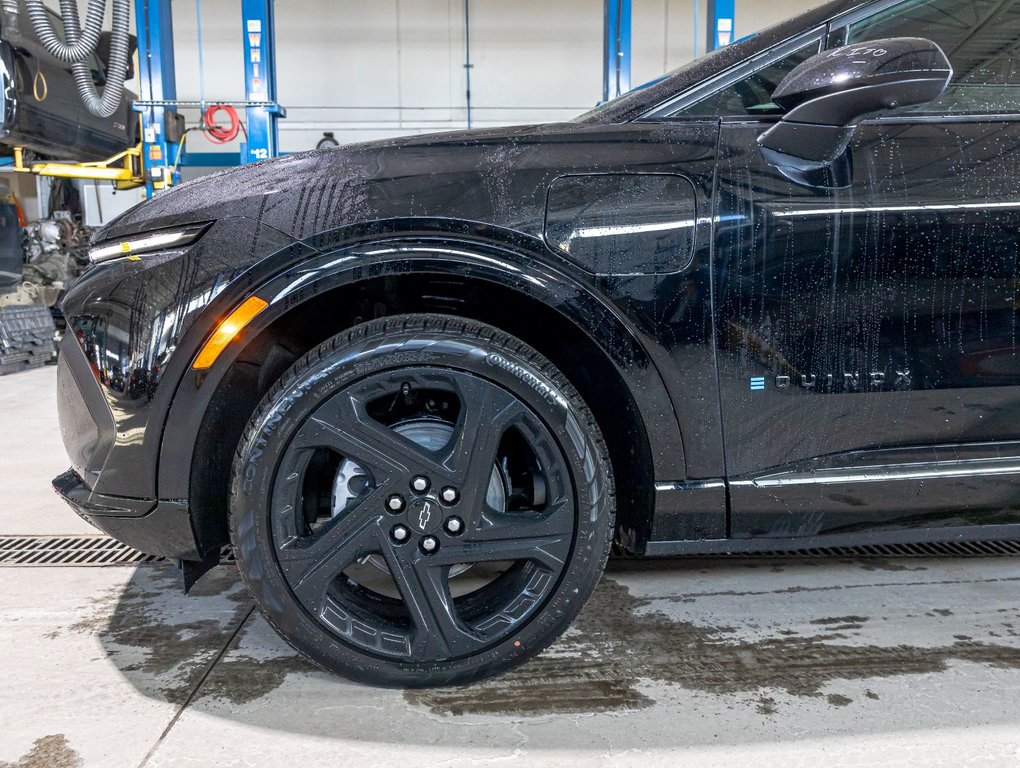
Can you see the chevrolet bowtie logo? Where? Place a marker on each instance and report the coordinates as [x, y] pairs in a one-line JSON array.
[[424, 516]]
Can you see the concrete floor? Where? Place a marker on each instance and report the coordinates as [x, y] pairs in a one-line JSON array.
[[701, 663]]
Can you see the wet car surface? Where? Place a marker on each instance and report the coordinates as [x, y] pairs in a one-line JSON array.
[[765, 303]]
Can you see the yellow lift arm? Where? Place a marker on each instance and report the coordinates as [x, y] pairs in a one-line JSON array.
[[124, 169]]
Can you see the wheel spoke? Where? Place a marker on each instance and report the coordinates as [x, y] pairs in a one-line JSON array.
[[319, 433], [549, 551], [487, 412], [311, 564], [344, 425], [558, 520], [438, 631]]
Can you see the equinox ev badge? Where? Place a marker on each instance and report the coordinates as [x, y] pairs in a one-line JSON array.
[[847, 382]]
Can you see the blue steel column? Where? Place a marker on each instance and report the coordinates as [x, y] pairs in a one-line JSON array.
[[721, 23], [616, 49], [260, 80], [158, 82]]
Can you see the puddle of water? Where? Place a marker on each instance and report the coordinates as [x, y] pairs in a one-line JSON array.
[[620, 643], [52, 751], [155, 634]]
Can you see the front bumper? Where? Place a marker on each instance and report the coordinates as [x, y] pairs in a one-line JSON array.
[[133, 327], [90, 431], [161, 528]]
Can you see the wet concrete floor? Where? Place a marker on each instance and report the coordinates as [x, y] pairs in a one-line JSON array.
[[847, 662], [747, 662]]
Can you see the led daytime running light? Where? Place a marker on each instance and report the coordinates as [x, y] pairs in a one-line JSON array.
[[146, 243]]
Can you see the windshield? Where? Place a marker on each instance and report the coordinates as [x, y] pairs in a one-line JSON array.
[[678, 74], [635, 103]]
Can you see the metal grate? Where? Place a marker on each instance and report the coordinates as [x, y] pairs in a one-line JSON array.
[[77, 551], [934, 549], [68, 550], [102, 550]]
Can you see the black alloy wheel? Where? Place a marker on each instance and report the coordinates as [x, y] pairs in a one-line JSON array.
[[422, 501]]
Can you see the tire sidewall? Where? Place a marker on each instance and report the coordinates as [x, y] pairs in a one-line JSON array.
[[372, 349]]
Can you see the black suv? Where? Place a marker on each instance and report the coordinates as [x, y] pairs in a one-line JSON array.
[[770, 301]]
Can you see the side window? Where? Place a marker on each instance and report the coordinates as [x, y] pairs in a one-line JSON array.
[[752, 94], [980, 37]]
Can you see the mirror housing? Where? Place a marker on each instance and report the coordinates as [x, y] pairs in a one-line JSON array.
[[826, 97]]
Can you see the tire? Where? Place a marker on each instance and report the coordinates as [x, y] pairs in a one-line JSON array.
[[403, 430]]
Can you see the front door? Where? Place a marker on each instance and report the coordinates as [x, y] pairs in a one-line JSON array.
[[869, 368], [868, 336]]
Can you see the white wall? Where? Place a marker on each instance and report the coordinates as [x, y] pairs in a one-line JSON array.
[[753, 15], [664, 36]]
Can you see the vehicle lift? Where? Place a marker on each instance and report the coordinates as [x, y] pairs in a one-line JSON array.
[[155, 162], [721, 23], [616, 49], [162, 136], [616, 58]]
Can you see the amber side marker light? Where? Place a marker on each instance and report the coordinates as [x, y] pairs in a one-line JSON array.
[[227, 330]]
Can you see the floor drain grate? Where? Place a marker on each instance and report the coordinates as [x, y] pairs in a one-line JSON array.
[[76, 551], [68, 550], [934, 549], [102, 550]]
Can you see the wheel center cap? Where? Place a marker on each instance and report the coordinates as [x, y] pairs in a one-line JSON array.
[[425, 515]]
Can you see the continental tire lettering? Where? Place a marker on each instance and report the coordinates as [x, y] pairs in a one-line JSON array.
[[251, 465], [548, 393]]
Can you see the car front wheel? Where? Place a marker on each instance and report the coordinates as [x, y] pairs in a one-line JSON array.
[[423, 500]]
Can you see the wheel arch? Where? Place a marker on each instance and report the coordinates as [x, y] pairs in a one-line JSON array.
[[559, 316]]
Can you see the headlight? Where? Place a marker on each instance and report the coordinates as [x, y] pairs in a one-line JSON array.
[[147, 242]]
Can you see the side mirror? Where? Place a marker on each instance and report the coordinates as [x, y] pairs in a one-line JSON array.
[[826, 97]]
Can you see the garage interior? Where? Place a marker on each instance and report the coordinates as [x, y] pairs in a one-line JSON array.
[[897, 655]]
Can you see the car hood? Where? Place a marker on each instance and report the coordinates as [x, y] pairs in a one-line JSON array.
[[305, 193]]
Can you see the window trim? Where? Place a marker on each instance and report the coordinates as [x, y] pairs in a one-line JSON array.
[[667, 110], [845, 19]]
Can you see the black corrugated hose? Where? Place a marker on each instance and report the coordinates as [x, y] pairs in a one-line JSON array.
[[82, 43]]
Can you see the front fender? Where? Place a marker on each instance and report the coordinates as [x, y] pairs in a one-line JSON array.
[[526, 270]]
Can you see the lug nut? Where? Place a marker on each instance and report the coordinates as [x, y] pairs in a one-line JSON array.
[[449, 495], [400, 533], [454, 525], [429, 544], [420, 484], [395, 503]]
